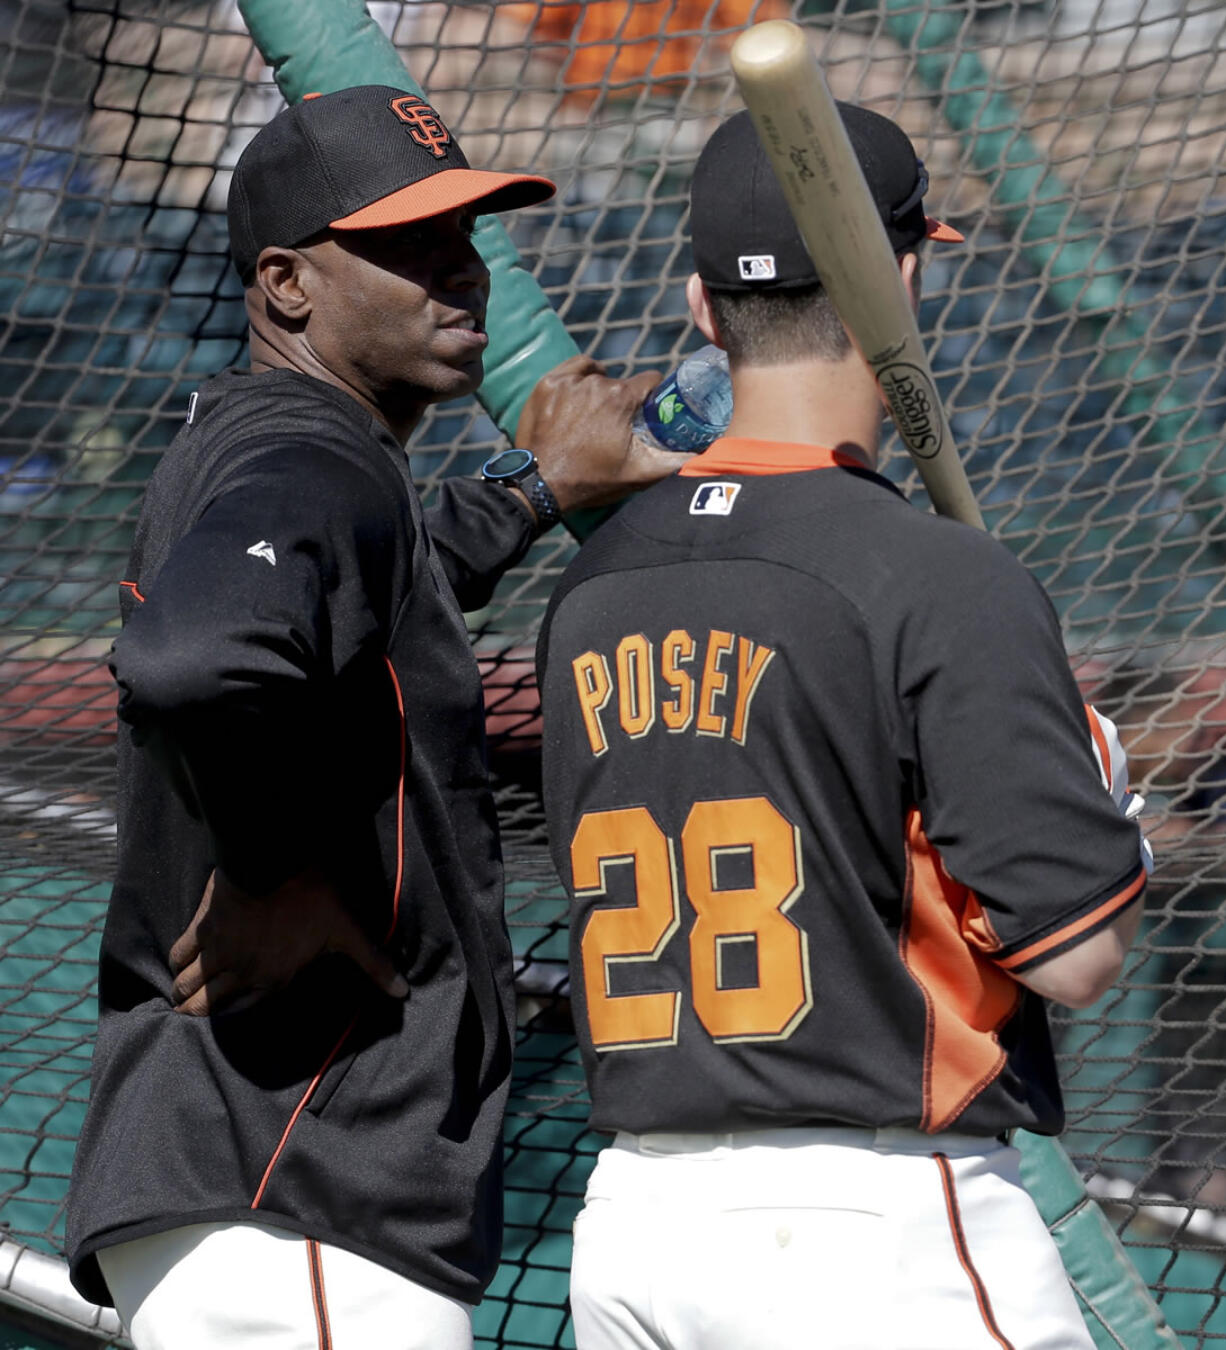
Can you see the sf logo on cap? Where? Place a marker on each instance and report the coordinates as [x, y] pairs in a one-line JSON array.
[[424, 124]]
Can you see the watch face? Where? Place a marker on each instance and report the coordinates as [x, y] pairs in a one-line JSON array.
[[509, 465]]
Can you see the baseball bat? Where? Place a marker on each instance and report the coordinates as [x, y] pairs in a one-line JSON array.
[[803, 135]]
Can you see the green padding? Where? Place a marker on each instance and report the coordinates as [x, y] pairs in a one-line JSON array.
[[1053, 1182], [323, 45], [1118, 1309], [50, 923], [13, 1337]]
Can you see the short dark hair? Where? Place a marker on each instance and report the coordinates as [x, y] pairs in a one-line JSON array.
[[774, 328]]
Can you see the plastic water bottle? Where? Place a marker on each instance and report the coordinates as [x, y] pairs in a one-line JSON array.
[[692, 407]]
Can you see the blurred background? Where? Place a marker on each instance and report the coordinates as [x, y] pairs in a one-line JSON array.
[[1078, 342]]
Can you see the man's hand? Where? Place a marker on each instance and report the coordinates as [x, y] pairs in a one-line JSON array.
[[239, 946], [577, 421]]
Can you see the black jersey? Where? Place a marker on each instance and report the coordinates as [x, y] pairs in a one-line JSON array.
[[784, 711], [295, 661]]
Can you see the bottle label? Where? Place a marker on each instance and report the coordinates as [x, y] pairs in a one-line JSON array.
[[673, 422]]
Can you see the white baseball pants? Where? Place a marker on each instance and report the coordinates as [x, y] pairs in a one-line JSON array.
[[816, 1239], [247, 1284]]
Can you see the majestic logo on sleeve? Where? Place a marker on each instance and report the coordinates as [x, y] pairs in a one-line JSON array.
[[263, 550], [714, 499], [424, 124]]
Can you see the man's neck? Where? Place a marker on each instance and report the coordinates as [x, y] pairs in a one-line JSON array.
[[833, 404], [287, 355]]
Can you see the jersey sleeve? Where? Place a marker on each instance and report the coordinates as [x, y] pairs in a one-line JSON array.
[[479, 530], [235, 659], [1005, 776]]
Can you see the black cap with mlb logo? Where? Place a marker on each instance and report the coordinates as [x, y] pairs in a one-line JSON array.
[[358, 159], [741, 228]]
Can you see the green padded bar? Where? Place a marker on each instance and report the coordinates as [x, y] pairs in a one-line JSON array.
[[323, 45], [1119, 1311]]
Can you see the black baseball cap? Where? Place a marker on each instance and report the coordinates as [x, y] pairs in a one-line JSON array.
[[357, 159], [741, 228]]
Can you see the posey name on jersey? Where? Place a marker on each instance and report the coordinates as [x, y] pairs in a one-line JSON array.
[[704, 684]]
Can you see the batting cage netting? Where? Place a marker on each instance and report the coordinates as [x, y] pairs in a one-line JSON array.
[[1078, 342]]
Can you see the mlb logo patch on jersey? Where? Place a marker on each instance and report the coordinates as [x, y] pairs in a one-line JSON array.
[[757, 266], [714, 499]]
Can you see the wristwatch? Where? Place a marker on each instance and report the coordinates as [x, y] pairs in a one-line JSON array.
[[519, 468]]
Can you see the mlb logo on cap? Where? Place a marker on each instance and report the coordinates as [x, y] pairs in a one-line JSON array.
[[714, 499], [757, 266]]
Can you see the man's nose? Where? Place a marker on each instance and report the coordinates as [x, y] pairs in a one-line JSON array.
[[469, 271]]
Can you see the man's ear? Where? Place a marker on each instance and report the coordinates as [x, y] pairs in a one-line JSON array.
[[699, 300], [282, 274]]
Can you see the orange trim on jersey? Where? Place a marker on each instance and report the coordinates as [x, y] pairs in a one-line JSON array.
[[1118, 902], [298, 1110], [1100, 741], [131, 585], [753, 459], [968, 997], [958, 1233], [391, 670], [319, 1300]]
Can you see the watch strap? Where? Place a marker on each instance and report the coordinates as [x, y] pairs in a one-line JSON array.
[[544, 503]]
